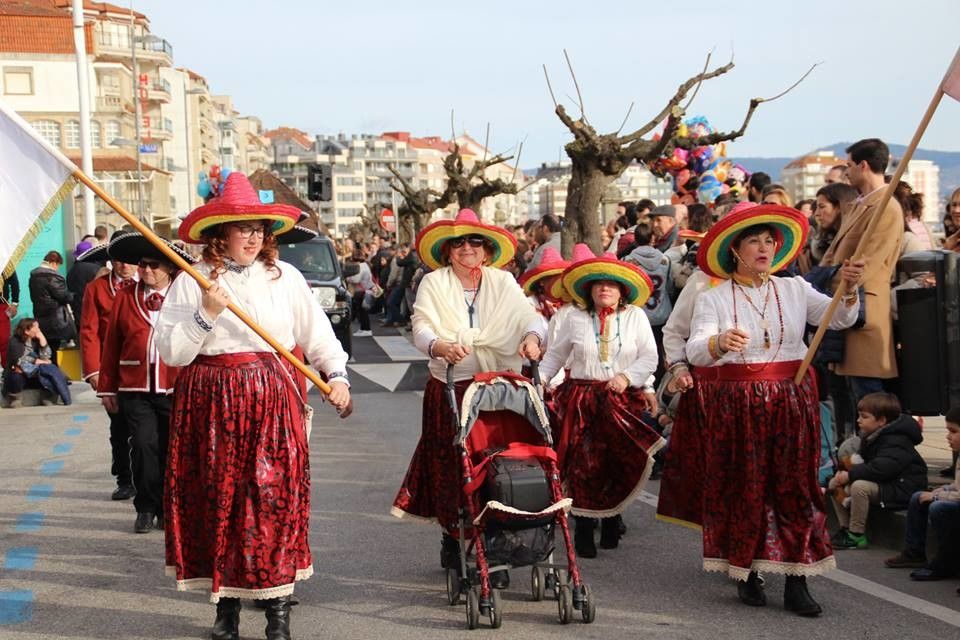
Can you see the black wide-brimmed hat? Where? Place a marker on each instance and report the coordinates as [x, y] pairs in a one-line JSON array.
[[133, 246], [298, 234], [94, 254]]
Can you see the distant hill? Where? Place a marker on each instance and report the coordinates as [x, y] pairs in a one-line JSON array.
[[948, 161]]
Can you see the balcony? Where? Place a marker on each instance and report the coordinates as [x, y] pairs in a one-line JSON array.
[[115, 46], [112, 104], [159, 91], [159, 129]]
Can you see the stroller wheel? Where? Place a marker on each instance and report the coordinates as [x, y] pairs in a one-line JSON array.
[[565, 605], [473, 609], [496, 611], [588, 609], [453, 587], [536, 583]]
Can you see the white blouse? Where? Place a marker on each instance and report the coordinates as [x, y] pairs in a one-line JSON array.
[[800, 305], [573, 338], [285, 307]]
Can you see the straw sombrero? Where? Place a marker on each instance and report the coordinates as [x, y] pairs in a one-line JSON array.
[[551, 264], [131, 247], [579, 276], [237, 202], [580, 253], [431, 239], [790, 232]]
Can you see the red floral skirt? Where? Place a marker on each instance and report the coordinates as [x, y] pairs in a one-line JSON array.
[[237, 494], [604, 448], [432, 488], [759, 439], [681, 487]]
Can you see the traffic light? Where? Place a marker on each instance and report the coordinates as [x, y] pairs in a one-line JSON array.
[[320, 182]]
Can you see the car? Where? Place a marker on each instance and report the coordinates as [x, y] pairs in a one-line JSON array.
[[317, 260]]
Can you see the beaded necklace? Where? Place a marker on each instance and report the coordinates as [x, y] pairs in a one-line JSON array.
[[603, 342], [764, 324], [776, 295]]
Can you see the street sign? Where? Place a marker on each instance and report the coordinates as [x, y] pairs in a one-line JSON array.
[[388, 221], [149, 148]]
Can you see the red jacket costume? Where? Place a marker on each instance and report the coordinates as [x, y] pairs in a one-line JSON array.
[[98, 300], [125, 363]]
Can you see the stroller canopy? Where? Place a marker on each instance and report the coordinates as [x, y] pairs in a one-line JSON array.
[[503, 394]]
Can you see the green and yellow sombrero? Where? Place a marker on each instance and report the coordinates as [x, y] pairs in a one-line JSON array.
[[790, 230], [237, 202], [551, 264], [579, 276], [430, 240]]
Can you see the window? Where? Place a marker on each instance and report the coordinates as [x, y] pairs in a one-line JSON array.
[[95, 135], [110, 84], [50, 130], [114, 131], [73, 134], [18, 81]]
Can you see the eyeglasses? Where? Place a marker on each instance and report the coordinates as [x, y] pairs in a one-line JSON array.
[[247, 230], [473, 241], [149, 264]]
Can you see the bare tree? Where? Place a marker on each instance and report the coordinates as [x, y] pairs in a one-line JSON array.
[[469, 187], [599, 159], [418, 204]]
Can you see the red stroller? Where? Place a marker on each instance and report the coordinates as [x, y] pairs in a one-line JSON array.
[[513, 499]]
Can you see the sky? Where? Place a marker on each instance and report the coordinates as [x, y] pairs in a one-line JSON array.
[[372, 66]]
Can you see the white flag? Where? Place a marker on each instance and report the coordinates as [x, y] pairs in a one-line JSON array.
[[34, 179], [951, 81]]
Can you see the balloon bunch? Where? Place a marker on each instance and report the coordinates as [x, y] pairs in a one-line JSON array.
[[699, 174], [210, 185]]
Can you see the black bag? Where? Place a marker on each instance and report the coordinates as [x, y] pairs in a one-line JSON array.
[[519, 483], [519, 547]]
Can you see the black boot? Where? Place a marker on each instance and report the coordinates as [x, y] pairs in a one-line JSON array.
[[796, 598], [583, 537], [227, 625], [751, 592], [278, 618], [610, 533]]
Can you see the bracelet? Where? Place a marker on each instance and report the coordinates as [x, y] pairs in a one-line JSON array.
[[850, 298], [203, 324], [713, 346], [430, 349], [337, 374], [531, 333]]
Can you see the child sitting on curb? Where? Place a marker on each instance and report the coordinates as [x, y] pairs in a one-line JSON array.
[[941, 507], [891, 470]]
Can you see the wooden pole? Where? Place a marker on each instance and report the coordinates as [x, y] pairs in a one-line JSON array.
[[871, 227], [205, 284]]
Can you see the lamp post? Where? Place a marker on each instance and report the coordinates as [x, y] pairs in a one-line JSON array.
[[186, 132], [138, 111]]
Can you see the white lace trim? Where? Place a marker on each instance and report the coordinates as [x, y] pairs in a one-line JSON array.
[[637, 490], [495, 506], [205, 584], [818, 568], [397, 512]]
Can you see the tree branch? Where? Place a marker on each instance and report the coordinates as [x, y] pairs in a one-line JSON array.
[[550, 88], [674, 103], [583, 113], [696, 90], [622, 124]]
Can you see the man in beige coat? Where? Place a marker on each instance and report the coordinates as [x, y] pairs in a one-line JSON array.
[[869, 355]]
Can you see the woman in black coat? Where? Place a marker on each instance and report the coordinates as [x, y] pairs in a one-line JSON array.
[[50, 296]]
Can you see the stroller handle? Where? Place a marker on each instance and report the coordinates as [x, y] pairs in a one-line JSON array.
[[535, 372]]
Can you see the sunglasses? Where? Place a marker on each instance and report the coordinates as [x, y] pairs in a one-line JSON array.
[[473, 241], [149, 264]]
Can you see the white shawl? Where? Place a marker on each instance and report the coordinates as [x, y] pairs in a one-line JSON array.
[[502, 315]]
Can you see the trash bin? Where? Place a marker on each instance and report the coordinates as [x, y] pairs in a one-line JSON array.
[[928, 330]]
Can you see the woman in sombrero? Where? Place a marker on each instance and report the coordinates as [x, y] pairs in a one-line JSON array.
[[604, 449], [538, 283], [473, 315], [237, 498], [761, 508]]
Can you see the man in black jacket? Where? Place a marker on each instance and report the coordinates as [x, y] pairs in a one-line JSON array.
[[50, 296], [891, 471]]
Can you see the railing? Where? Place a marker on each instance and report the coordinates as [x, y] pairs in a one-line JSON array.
[[161, 85], [120, 42], [109, 103]]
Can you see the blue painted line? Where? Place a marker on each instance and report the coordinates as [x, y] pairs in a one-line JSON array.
[[39, 492], [16, 607], [81, 418], [20, 558], [29, 522], [73, 431], [62, 448], [51, 467]]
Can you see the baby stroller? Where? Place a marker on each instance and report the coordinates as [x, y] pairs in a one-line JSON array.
[[513, 500]]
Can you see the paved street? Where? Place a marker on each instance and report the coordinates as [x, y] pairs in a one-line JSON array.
[[73, 568]]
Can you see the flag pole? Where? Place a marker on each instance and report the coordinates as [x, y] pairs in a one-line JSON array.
[[871, 228], [205, 284]]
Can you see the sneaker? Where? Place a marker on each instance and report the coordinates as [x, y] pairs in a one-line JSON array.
[[363, 333], [852, 541], [907, 560], [838, 538], [123, 492]]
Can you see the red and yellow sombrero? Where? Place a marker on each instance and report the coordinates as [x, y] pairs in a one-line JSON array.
[[551, 264], [579, 276], [790, 230], [237, 202], [431, 239]]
